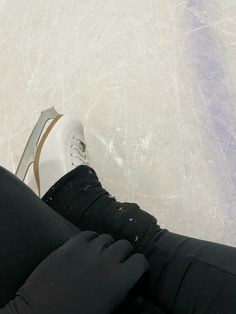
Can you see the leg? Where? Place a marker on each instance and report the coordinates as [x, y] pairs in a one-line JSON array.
[[80, 198], [192, 276], [187, 275], [29, 231]]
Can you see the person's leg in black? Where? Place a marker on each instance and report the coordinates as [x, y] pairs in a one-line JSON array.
[[29, 231], [186, 275], [192, 276]]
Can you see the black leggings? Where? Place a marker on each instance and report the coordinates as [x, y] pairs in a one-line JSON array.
[[187, 275]]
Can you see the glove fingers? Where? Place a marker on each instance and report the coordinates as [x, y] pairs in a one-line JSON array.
[[103, 241], [88, 235], [134, 268], [85, 236], [120, 250]]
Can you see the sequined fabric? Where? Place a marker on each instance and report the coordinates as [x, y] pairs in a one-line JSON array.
[[80, 198]]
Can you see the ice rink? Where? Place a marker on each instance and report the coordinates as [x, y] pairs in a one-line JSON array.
[[154, 83]]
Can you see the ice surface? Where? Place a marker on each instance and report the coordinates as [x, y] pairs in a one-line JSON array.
[[153, 81]]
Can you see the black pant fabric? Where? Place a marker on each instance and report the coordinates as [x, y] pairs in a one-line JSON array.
[[186, 275], [29, 231]]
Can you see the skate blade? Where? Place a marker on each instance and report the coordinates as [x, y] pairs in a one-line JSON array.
[[28, 155], [39, 150]]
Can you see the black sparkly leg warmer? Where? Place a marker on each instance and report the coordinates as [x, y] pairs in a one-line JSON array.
[[80, 198]]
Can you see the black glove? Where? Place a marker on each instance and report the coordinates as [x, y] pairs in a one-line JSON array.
[[89, 274]]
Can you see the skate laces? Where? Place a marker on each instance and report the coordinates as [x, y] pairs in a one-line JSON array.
[[79, 152]]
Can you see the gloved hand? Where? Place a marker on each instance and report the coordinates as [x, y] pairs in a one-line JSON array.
[[89, 274]]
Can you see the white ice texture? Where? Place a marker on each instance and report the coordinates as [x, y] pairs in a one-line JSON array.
[[154, 83]]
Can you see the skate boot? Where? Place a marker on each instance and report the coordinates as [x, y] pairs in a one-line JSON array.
[[55, 147]]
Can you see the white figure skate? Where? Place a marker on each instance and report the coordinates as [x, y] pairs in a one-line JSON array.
[[55, 147]]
